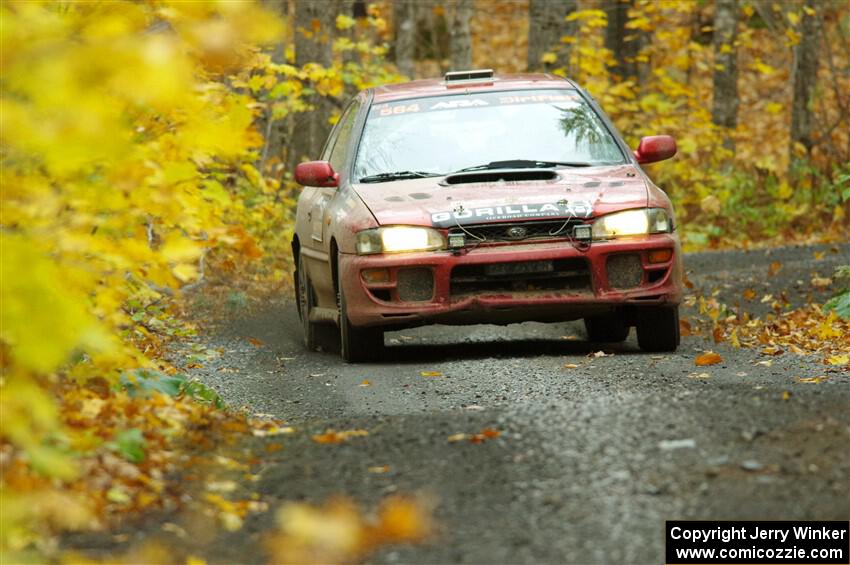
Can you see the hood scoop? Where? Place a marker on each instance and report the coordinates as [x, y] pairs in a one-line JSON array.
[[506, 175]]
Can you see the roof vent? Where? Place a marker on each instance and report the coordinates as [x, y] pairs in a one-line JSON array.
[[477, 75]]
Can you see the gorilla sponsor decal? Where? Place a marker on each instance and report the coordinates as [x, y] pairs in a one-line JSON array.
[[562, 209]]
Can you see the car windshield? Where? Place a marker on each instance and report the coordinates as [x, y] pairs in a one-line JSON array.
[[447, 133]]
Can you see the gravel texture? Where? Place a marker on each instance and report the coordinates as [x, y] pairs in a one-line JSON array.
[[591, 461]]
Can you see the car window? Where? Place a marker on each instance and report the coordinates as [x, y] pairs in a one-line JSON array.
[[343, 135], [447, 133]]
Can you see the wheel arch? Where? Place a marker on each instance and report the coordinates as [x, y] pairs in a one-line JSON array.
[[334, 257], [296, 249]]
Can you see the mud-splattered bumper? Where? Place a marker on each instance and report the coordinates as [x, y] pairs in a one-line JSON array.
[[511, 283]]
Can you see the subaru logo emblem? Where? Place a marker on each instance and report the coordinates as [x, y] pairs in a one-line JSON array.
[[517, 232]]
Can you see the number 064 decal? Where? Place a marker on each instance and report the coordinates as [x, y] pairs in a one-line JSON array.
[[400, 109]]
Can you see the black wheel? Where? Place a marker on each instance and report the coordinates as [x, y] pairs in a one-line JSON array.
[[608, 328], [357, 344], [658, 328], [306, 301]]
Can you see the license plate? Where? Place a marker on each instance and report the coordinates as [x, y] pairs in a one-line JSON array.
[[524, 268]]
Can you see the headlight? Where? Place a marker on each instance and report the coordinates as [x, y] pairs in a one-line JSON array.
[[632, 222], [398, 239]]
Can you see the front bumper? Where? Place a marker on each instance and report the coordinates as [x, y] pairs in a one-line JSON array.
[[466, 289]]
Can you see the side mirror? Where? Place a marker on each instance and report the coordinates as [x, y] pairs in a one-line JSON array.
[[655, 148], [316, 173]]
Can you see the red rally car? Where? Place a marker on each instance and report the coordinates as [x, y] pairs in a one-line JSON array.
[[484, 198]]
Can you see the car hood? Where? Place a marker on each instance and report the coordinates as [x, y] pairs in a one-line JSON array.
[[582, 193]]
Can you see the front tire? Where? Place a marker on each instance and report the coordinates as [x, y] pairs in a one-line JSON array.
[[658, 328], [608, 328], [357, 344]]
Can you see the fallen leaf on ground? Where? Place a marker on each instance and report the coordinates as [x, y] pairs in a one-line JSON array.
[[685, 327], [774, 268], [786, 395], [570, 366], [480, 437], [380, 469], [767, 363], [838, 360], [255, 342], [707, 358], [273, 431], [717, 334], [333, 436], [431, 374], [699, 376], [812, 380], [821, 282], [600, 354], [365, 382], [749, 294], [338, 532]]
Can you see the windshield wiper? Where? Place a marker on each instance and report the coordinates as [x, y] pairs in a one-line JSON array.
[[523, 164], [398, 175]]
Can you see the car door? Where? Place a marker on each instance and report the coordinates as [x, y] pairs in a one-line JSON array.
[[335, 154]]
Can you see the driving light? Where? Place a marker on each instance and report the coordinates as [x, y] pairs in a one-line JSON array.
[[582, 232], [398, 239], [632, 222]]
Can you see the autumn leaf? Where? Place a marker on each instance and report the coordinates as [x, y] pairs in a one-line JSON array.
[[708, 358], [570, 366], [717, 334], [255, 342], [774, 268], [338, 532], [333, 436], [431, 374], [749, 294], [482, 436], [365, 382]]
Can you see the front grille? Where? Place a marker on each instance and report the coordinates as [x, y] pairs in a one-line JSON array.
[[518, 231], [521, 276]]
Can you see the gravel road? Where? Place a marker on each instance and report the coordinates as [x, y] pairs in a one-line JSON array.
[[591, 460]]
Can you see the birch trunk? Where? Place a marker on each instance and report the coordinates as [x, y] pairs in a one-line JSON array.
[[724, 111]]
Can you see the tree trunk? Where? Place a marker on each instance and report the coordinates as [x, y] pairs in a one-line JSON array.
[[460, 35], [805, 77], [404, 15], [314, 30], [546, 26], [622, 42], [724, 112]]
